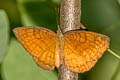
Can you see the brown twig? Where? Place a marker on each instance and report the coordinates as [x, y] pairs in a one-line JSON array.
[[70, 14]]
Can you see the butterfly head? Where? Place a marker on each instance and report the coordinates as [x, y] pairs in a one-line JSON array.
[[59, 33]]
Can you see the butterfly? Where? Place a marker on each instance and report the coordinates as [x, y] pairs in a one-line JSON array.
[[80, 50]]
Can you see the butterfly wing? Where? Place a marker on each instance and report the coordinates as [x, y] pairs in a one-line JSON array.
[[40, 43], [82, 49]]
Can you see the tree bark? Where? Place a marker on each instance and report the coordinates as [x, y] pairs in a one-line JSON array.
[[70, 13]]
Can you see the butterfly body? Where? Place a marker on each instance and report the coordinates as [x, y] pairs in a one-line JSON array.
[[59, 48], [80, 50]]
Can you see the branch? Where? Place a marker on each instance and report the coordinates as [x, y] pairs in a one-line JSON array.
[[70, 14]]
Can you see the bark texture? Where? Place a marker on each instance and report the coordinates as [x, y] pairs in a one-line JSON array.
[[70, 13]]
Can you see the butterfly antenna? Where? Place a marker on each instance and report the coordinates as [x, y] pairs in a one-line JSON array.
[[57, 11]]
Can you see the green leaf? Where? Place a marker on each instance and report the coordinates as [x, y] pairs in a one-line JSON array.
[[98, 15], [119, 1], [4, 34], [114, 31], [108, 67], [105, 68], [37, 12], [117, 73], [19, 65]]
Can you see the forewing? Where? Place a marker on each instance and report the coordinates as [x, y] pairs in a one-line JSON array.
[[40, 43], [82, 49]]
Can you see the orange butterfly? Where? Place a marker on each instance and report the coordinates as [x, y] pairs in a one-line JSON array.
[[79, 49]]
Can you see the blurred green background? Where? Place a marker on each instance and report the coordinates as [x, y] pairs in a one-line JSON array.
[[102, 16]]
